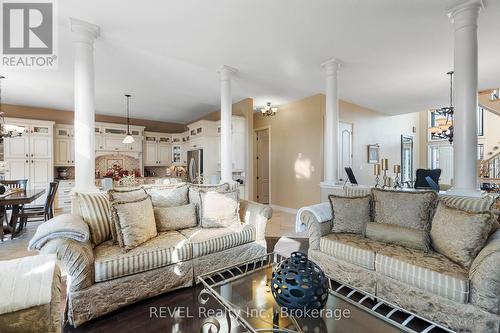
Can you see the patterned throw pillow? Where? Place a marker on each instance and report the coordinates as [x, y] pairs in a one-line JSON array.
[[409, 209], [127, 194], [124, 195], [170, 196], [483, 204], [175, 218], [458, 234], [219, 209], [94, 209], [134, 221], [350, 214], [194, 194]]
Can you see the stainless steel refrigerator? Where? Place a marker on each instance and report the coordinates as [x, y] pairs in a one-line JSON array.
[[195, 166]]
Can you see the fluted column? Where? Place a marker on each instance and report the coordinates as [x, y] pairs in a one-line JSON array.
[[464, 19], [331, 131], [84, 35], [226, 112]]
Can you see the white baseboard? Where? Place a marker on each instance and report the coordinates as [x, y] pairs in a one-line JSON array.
[[284, 209]]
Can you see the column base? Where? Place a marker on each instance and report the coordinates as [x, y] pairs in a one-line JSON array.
[[474, 193]]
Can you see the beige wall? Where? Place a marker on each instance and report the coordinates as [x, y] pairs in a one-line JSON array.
[[297, 146], [296, 150], [66, 117]]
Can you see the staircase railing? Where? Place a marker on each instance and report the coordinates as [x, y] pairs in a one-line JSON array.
[[490, 168]]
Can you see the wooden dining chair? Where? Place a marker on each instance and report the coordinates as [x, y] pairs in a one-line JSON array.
[[41, 212], [11, 184]]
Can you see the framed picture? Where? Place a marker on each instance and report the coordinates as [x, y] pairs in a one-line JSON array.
[[373, 154]]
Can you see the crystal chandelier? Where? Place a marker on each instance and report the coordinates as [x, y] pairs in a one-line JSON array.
[[7, 130], [268, 111], [442, 124], [129, 138]]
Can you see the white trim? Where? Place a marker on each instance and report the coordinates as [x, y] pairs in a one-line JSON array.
[[284, 209]]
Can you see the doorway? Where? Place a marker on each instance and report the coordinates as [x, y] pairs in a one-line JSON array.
[[263, 179]]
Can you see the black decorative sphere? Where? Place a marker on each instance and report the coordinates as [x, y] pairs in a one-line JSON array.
[[298, 283]]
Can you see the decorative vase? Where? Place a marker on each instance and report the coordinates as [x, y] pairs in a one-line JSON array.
[[298, 283]]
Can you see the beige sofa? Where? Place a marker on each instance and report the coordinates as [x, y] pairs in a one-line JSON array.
[[103, 279], [428, 284]]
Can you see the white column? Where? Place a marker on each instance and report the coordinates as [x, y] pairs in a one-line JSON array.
[[226, 112], [331, 134], [84, 35], [464, 18]]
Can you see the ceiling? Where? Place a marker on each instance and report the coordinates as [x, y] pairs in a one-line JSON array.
[[166, 54]]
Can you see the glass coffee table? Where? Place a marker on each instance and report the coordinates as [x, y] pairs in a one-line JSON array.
[[248, 306]]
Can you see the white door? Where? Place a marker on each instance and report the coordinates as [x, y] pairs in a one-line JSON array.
[[163, 153], [62, 152], [41, 175], [17, 169], [16, 147], [263, 181], [40, 146], [345, 152], [150, 156]]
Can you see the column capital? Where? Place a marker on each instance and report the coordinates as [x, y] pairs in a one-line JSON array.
[[84, 31], [465, 13], [226, 72], [332, 66]]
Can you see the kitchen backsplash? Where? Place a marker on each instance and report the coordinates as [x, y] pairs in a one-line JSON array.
[[105, 162]]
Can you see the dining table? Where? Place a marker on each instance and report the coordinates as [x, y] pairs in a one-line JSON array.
[[17, 199]]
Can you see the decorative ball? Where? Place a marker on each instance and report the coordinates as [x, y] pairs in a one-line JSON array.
[[298, 283]]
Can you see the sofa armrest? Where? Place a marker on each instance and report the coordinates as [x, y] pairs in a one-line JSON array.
[[77, 259], [256, 214], [484, 276], [315, 228]]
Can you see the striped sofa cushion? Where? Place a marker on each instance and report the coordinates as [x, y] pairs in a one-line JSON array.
[[165, 249], [210, 240], [350, 248], [94, 209], [471, 204], [452, 284], [354, 191]]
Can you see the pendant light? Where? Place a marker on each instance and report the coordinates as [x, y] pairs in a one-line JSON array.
[[129, 138]]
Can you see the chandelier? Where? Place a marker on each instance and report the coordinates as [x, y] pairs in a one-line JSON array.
[[7, 130], [268, 111], [442, 119]]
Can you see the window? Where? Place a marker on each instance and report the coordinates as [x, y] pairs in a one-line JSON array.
[[480, 121], [434, 158], [480, 152]]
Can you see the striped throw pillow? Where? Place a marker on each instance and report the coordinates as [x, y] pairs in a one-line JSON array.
[[470, 204], [95, 211]]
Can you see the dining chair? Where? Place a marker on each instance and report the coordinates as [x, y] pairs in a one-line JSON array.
[[40, 212], [11, 184]]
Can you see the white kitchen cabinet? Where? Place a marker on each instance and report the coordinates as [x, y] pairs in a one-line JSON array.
[[17, 169], [16, 147], [40, 146], [157, 149], [176, 154], [30, 156], [164, 153], [150, 154], [62, 202], [64, 152]]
